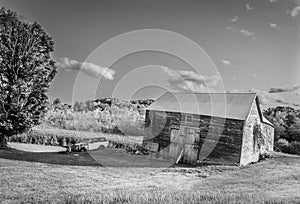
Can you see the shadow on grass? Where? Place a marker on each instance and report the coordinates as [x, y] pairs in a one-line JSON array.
[[60, 158], [106, 158]]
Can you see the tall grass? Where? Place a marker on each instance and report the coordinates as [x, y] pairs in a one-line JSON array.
[[170, 197]]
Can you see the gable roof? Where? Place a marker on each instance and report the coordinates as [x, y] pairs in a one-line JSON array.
[[263, 119], [225, 105]]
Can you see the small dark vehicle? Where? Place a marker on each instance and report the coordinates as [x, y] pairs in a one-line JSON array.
[[88, 144]]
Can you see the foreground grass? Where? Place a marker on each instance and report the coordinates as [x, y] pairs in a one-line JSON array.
[[161, 197], [276, 180]]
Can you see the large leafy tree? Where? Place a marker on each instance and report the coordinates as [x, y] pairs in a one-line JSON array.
[[26, 71]]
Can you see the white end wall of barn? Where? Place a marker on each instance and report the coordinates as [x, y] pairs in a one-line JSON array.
[[258, 137]]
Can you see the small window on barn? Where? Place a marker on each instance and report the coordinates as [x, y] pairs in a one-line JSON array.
[[189, 118], [183, 118]]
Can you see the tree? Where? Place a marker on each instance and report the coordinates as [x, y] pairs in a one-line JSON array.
[[294, 131], [26, 71], [56, 103]]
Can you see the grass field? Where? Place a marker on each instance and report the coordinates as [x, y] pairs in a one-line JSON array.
[[276, 180]]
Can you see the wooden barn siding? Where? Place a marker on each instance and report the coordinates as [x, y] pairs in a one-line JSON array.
[[220, 138], [250, 150]]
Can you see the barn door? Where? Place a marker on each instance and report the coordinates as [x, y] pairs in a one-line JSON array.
[[190, 148], [176, 142]]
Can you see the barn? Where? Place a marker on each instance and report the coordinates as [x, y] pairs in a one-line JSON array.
[[216, 128]]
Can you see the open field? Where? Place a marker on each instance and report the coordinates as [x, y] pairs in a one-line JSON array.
[[276, 180]]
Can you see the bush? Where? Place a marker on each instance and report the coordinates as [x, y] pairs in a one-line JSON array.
[[44, 137], [52, 136], [282, 142], [291, 148]]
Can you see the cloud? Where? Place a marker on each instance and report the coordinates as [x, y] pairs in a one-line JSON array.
[[274, 26], [89, 69], [297, 94], [246, 32], [295, 11], [285, 89], [248, 7], [272, 1], [265, 97], [231, 28], [227, 63], [235, 19], [190, 81]]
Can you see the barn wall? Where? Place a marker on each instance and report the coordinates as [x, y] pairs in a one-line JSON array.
[[268, 131], [217, 140], [257, 137], [221, 140], [158, 127]]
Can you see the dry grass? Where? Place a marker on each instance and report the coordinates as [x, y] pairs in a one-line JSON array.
[[276, 180]]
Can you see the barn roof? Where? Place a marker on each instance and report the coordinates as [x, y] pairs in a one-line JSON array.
[[225, 105]]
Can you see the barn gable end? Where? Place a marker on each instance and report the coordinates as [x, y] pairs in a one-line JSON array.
[[258, 135]]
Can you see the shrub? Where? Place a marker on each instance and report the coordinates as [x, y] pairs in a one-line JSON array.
[[282, 142], [290, 148], [46, 137]]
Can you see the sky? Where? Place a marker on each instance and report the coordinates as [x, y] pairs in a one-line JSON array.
[[142, 48]]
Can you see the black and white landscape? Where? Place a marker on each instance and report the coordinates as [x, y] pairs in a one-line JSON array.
[[148, 101]]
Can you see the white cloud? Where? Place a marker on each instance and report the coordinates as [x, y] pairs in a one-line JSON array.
[[274, 26], [231, 28], [265, 97], [246, 32], [227, 63], [235, 19], [295, 11], [285, 89], [190, 81], [248, 7], [89, 69], [272, 1]]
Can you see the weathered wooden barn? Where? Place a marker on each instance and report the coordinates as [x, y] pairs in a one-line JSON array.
[[219, 128]]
